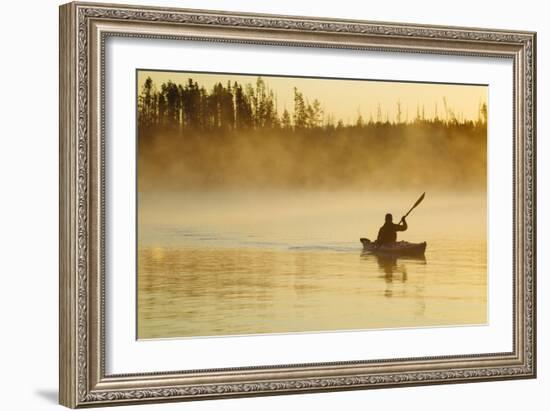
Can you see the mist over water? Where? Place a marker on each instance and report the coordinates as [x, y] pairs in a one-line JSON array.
[[376, 158]]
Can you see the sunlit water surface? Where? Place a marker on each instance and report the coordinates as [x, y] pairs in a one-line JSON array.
[[282, 262]]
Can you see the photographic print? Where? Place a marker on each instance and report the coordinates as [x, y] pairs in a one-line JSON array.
[[273, 204]]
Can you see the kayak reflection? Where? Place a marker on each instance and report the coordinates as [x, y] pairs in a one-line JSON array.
[[392, 267], [394, 270]]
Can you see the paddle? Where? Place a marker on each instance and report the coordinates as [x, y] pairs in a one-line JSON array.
[[414, 206]]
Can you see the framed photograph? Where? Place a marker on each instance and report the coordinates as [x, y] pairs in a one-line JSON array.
[[259, 204]]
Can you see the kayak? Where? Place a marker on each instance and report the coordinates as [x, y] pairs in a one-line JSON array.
[[397, 249]]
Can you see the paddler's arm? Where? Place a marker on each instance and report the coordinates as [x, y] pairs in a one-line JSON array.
[[402, 226]]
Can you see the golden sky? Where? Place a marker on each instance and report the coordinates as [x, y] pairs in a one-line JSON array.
[[346, 99]]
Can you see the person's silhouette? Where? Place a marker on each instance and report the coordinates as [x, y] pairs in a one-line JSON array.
[[388, 232]]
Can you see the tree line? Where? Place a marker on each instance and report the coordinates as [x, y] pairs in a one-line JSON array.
[[236, 106]]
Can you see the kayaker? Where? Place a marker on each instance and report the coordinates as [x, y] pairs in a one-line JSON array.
[[388, 232]]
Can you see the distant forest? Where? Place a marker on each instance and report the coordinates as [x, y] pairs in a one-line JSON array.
[[233, 135], [244, 107]]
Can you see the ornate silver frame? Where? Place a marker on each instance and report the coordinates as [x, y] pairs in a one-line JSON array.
[[83, 30]]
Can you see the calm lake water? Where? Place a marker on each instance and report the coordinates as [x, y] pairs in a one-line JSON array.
[[281, 262]]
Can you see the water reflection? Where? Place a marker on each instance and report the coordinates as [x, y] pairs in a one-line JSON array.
[[393, 268]]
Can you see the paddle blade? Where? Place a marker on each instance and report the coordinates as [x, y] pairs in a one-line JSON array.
[[419, 200], [415, 204]]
